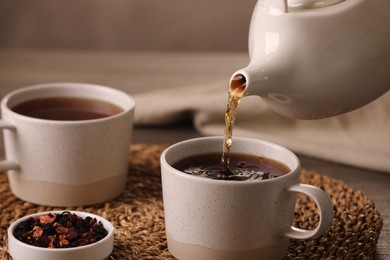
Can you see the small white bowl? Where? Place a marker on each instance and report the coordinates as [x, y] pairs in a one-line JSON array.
[[98, 250]]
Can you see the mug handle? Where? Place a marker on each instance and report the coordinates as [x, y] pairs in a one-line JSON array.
[[325, 207], [7, 164]]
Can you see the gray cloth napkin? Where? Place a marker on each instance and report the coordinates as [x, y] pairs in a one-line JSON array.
[[360, 138]]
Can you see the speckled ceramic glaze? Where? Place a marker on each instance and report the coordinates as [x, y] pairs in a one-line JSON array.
[[66, 163], [98, 250], [217, 219]]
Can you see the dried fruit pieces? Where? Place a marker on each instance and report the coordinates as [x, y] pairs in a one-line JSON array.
[[60, 230]]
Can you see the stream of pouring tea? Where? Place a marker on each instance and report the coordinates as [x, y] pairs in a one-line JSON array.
[[236, 91]]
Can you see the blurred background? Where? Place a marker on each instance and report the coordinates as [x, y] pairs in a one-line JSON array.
[[41, 39], [201, 25]]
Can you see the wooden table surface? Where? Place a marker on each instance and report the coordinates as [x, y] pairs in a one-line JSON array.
[[135, 72]]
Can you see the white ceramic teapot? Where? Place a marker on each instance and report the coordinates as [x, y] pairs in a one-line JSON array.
[[312, 59]]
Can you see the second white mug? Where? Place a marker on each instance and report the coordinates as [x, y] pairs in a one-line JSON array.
[[67, 162]]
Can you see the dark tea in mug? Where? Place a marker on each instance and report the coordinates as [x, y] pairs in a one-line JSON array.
[[241, 167], [66, 108]]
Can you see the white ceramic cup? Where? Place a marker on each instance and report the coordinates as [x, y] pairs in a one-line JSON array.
[[66, 163], [218, 219]]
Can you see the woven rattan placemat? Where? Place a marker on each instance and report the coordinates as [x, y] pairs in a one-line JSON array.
[[139, 220]]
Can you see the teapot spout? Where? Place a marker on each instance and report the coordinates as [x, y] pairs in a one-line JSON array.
[[238, 83], [246, 82]]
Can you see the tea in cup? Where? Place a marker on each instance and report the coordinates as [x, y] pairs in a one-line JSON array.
[[248, 216], [66, 144]]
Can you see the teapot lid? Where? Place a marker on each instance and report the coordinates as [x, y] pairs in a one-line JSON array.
[[297, 5]]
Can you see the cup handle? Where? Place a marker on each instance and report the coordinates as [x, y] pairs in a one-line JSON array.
[[7, 164], [325, 207]]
